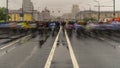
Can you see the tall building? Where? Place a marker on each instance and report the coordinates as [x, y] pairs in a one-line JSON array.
[[45, 14], [71, 16], [29, 14], [75, 9], [27, 5]]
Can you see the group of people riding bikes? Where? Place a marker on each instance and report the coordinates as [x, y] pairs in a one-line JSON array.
[[81, 29]]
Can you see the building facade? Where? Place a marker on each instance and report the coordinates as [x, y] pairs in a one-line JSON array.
[[26, 13], [70, 16], [75, 10], [27, 5], [94, 14], [45, 15], [15, 15]]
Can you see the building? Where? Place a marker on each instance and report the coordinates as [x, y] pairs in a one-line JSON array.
[[26, 13], [87, 14], [75, 10], [67, 16], [94, 14], [27, 5], [15, 15], [70, 16], [45, 15]]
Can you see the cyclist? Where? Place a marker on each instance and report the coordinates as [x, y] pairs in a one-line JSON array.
[[63, 26], [52, 27]]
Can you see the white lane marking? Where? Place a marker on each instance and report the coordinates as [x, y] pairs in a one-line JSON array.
[[113, 43], [74, 60], [11, 49], [102, 38], [2, 53], [6, 51], [50, 57], [10, 44], [28, 57], [14, 42]]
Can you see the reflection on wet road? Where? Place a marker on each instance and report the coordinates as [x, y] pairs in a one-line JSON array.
[[89, 52], [96, 53], [62, 57]]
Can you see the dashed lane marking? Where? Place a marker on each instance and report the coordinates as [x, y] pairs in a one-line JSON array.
[[2, 53], [74, 60], [50, 57], [28, 57], [113, 43], [102, 38], [10, 44], [6, 51]]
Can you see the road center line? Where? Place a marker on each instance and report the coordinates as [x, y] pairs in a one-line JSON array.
[[50, 57], [74, 60]]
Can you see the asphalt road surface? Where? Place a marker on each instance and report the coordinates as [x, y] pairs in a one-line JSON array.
[[62, 52], [96, 53]]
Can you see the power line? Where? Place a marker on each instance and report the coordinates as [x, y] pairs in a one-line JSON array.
[[106, 2]]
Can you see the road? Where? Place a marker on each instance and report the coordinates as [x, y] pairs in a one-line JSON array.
[[58, 52], [6, 38], [96, 53]]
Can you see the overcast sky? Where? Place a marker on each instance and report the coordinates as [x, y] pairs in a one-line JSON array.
[[63, 5]]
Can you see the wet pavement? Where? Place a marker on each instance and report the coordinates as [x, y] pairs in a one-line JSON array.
[[61, 57], [99, 52], [27, 55], [95, 53], [4, 39]]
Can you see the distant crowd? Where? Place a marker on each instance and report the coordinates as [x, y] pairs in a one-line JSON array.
[[79, 28]]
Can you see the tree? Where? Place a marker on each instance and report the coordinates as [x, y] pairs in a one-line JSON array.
[[89, 19], [3, 14]]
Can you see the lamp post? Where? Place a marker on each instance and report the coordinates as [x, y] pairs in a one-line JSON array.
[[89, 10], [98, 9], [22, 15], [83, 13], [32, 13], [114, 14], [6, 11]]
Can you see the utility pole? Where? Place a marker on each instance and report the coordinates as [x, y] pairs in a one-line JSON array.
[[22, 15], [7, 11], [114, 14], [38, 15], [98, 9], [90, 10], [32, 13]]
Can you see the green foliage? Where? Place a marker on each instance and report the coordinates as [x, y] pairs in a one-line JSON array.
[[89, 19], [3, 14]]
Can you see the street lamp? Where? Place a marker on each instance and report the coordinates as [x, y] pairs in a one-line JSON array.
[[98, 9], [114, 14], [84, 16], [38, 14], [32, 13], [22, 14], [89, 9], [6, 11]]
